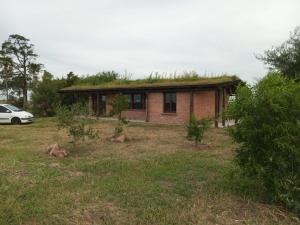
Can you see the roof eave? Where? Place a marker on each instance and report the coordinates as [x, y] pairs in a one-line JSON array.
[[155, 88]]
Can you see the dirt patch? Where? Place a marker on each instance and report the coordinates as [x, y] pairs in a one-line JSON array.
[[230, 210], [102, 213], [199, 147], [76, 174], [166, 184]]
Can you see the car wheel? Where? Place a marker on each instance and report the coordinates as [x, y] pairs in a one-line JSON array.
[[15, 121]]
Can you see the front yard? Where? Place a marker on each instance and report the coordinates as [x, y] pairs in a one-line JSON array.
[[156, 178]]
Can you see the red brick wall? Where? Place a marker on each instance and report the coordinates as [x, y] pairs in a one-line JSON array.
[[131, 114], [204, 104], [155, 110], [135, 114]]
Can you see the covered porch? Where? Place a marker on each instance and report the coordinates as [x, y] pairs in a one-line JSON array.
[[100, 103]]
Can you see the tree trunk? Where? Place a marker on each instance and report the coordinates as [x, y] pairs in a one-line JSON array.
[[6, 89], [24, 97], [24, 84]]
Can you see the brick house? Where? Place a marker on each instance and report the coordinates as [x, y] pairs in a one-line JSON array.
[[167, 102]]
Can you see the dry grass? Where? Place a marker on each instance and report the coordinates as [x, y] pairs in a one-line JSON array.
[[161, 82], [152, 179]]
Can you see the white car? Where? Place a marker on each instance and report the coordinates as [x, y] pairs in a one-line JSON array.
[[14, 115]]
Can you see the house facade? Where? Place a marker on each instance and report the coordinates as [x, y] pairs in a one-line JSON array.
[[167, 103]]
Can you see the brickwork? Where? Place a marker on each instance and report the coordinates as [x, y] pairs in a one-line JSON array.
[[204, 104], [157, 115], [135, 114]]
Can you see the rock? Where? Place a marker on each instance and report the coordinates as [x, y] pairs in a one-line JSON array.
[[50, 147], [56, 151], [121, 138]]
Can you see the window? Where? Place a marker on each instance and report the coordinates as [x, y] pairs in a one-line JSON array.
[[129, 101], [170, 102], [136, 101], [4, 110], [13, 108]]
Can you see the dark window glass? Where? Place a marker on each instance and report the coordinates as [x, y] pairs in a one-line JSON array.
[[137, 101], [129, 101], [3, 109], [13, 108], [170, 102], [103, 105]]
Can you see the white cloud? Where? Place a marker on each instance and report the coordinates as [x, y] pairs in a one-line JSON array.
[[154, 35]]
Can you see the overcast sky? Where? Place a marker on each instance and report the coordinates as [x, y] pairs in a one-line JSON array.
[[144, 36]]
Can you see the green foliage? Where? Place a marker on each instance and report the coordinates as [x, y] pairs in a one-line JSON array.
[[268, 131], [120, 104], [286, 57], [25, 69], [75, 119], [71, 79], [99, 78], [166, 79], [196, 128], [44, 95], [6, 73], [185, 76]]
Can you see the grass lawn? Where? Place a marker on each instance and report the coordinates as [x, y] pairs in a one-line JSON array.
[[156, 178]]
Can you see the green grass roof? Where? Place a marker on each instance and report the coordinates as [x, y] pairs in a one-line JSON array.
[[153, 82]]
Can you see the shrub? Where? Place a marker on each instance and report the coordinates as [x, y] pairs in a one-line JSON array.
[[75, 120], [268, 131], [99, 78], [197, 128], [44, 95]]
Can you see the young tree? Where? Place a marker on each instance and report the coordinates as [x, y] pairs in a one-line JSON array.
[[120, 104], [21, 51], [268, 131], [286, 57], [75, 119], [196, 129]]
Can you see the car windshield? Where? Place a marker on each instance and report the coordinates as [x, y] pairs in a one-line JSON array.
[[13, 108]]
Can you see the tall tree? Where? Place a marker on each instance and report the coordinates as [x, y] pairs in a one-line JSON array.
[[23, 57], [6, 72], [286, 57]]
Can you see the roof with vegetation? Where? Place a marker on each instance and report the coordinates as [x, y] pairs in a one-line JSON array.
[[155, 81]]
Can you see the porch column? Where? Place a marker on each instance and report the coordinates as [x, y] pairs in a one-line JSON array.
[[217, 104], [223, 106], [191, 103], [98, 104], [90, 105], [147, 106]]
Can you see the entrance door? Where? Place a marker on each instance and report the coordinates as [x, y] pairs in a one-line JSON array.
[[102, 105]]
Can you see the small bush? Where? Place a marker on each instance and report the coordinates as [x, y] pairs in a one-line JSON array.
[[197, 128], [268, 131], [44, 95], [120, 104], [75, 120]]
